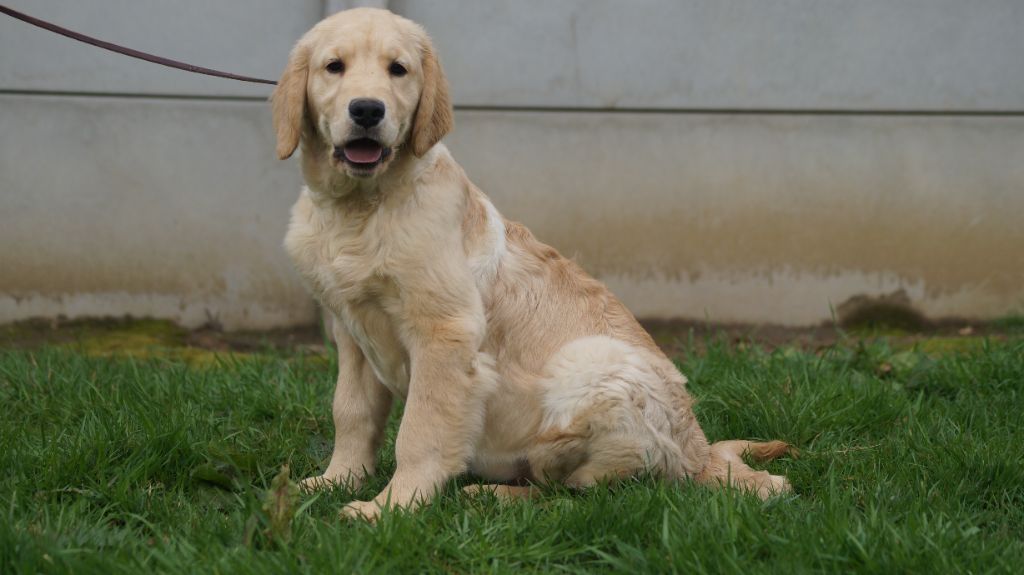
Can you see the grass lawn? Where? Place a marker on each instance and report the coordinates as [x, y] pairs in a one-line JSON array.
[[912, 460]]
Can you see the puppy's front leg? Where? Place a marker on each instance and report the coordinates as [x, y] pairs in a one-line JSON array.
[[443, 419], [360, 409]]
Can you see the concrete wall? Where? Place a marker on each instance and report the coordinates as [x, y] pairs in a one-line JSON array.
[[726, 159], [801, 55]]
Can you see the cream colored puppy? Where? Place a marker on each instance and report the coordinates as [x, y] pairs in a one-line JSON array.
[[512, 362]]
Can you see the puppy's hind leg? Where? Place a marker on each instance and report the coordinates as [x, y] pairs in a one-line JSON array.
[[726, 467], [607, 416]]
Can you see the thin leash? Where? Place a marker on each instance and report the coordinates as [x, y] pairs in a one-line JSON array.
[[128, 51]]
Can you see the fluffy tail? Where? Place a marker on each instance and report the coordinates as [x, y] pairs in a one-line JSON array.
[[726, 467]]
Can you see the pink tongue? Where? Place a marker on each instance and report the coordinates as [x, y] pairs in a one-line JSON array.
[[363, 152]]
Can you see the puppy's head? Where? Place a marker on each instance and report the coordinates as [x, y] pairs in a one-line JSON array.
[[366, 85]]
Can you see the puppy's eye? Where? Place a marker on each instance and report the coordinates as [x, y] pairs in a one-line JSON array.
[[396, 69], [335, 67]]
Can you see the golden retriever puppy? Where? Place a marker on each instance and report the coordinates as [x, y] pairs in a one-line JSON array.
[[513, 363]]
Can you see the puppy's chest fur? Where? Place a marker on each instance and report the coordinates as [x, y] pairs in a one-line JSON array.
[[360, 266], [345, 263]]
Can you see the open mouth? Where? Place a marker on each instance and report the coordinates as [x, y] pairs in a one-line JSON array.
[[363, 153]]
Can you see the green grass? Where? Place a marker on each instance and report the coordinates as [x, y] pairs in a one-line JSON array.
[[910, 462]]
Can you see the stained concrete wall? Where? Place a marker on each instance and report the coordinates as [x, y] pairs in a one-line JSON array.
[[145, 206], [772, 218], [724, 159]]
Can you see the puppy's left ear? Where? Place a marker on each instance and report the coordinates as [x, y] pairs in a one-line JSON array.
[[434, 114], [289, 101]]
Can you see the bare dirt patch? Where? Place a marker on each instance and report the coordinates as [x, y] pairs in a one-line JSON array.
[[142, 337]]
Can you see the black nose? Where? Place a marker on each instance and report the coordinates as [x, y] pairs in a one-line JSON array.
[[366, 112]]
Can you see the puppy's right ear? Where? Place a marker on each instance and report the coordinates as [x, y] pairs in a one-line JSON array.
[[289, 101]]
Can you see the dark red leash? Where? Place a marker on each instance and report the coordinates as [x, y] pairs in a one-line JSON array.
[[128, 51]]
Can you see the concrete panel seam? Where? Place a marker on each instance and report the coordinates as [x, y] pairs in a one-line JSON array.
[[558, 109]]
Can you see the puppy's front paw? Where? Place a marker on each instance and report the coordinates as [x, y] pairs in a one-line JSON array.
[[366, 510], [316, 483]]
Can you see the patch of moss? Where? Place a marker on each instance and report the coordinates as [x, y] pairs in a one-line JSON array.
[[109, 337], [107, 333], [134, 337], [935, 346]]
